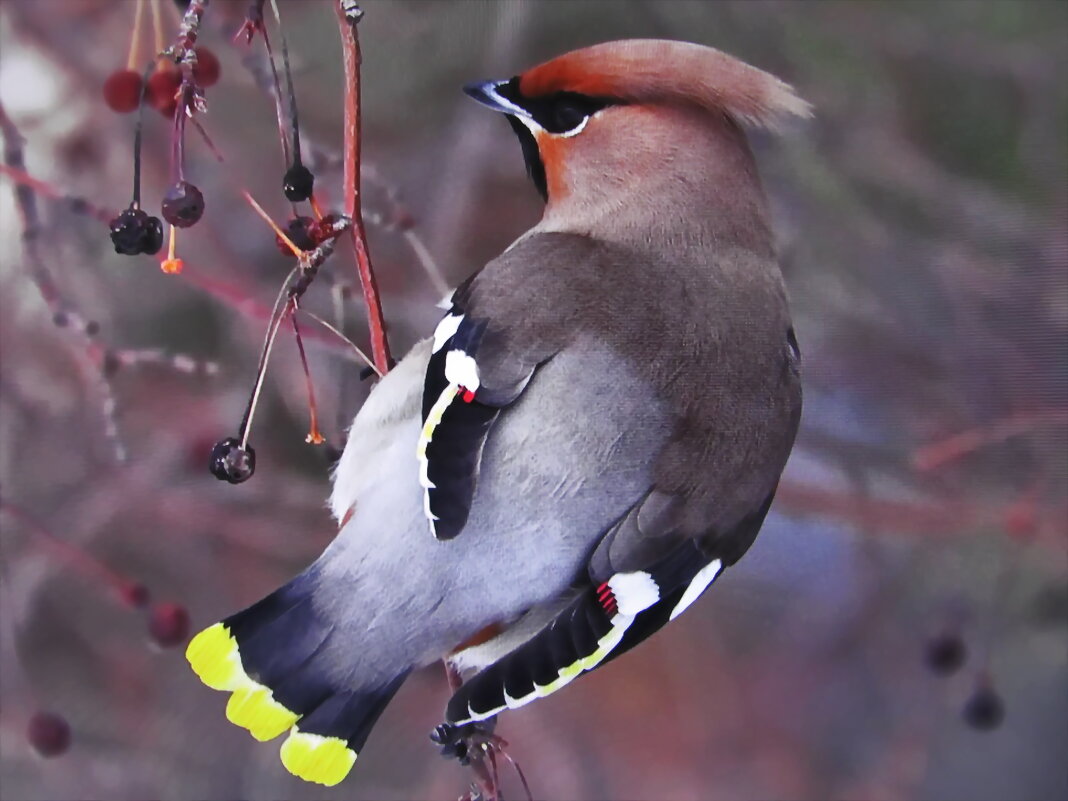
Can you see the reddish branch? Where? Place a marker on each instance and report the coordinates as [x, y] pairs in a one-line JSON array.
[[80, 204], [348, 15], [948, 450], [127, 590]]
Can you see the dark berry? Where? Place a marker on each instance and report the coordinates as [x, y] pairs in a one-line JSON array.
[[168, 624], [135, 594], [122, 91], [1021, 519], [92, 328], [984, 710], [298, 183], [402, 219], [208, 69], [111, 363], [1050, 605], [301, 231], [48, 734], [230, 462], [134, 232], [183, 205], [945, 654], [162, 90], [61, 319]]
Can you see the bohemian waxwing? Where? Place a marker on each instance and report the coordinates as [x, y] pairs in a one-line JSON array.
[[594, 432]]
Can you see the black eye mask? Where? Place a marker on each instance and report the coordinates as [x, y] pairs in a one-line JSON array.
[[557, 113]]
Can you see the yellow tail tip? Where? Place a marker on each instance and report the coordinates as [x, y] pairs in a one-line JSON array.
[[214, 657], [314, 758], [255, 709]]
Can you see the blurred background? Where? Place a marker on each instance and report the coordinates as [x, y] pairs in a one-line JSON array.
[[898, 631]]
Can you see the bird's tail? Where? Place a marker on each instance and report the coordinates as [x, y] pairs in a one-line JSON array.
[[272, 658]]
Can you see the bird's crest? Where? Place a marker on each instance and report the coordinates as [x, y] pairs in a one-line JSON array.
[[664, 72]]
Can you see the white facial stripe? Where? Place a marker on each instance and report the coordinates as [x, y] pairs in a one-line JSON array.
[[576, 130], [504, 102], [532, 126], [446, 329], [634, 592], [461, 369], [704, 577]]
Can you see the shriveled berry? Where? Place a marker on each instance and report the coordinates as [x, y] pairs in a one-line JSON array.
[[945, 654], [122, 91], [168, 624], [48, 734], [183, 205], [301, 232], [230, 462], [324, 228], [134, 232], [984, 710], [162, 90], [298, 183], [208, 69]]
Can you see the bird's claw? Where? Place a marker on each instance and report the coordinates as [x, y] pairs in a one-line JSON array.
[[461, 742]]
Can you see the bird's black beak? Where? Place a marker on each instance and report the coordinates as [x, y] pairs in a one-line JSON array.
[[489, 95]]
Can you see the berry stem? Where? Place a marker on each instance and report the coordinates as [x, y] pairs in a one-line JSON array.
[[178, 142], [157, 26], [347, 17], [133, 57], [278, 312], [274, 226], [294, 119], [138, 135], [279, 111], [314, 437]]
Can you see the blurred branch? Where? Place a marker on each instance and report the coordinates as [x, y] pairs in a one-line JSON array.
[[937, 518], [937, 454], [64, 315]]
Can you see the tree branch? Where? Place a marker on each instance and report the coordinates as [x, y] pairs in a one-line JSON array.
[[348, 15]]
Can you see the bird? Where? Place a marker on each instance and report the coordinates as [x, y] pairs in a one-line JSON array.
[[592, 435]]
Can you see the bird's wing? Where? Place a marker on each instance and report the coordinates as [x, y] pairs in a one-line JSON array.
[[458, 412], [485, 352], [609, 616]]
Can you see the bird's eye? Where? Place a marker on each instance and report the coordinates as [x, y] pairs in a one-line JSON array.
[[568, 114]]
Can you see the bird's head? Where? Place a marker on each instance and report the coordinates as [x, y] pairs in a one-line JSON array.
[[616, 113]]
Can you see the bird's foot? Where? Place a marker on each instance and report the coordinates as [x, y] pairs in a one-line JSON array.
[[473, 739]]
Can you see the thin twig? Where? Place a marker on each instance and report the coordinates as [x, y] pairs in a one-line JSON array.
[[348, 15], [76, 556], [337, 332]]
